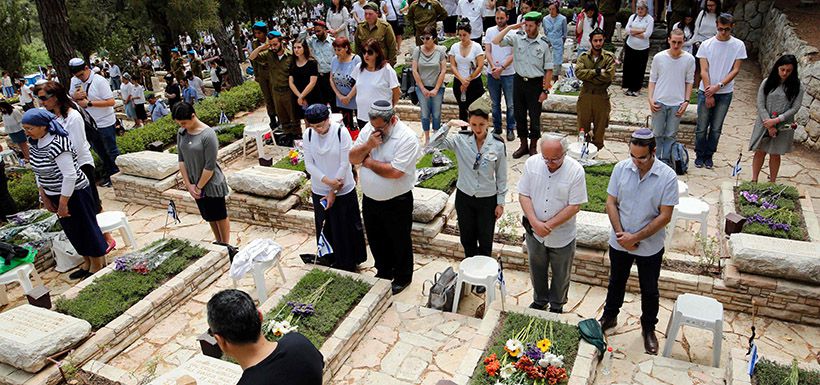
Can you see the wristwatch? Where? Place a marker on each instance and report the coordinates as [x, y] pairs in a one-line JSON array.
[[721, 84], [88, 104]]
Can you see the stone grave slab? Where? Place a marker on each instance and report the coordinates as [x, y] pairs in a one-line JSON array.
[[29, 334], [265, 181], [205, 370], [427, 203], [148, 164], [775, 257]]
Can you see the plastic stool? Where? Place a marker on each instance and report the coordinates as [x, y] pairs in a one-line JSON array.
[[10, 157], [113, 220], [689, 209], [257, 133], [574, 151], [700, 312], [19, 274], [258, 272], [482, 271], [683, 189]]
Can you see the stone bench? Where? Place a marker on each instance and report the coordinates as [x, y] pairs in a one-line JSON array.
[[774, 257], [148, 164], [264, 181]]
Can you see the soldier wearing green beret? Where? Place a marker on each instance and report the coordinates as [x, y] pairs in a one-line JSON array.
[[532, 60]]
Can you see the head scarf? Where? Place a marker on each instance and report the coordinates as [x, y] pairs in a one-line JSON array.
[[42, 118]]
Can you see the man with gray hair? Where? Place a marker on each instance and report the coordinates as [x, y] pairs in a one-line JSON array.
[[388, 150], [551, 191]]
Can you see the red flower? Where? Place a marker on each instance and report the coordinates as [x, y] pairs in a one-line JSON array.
[[491, 365]]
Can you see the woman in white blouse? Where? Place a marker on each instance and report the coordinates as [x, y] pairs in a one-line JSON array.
[[466, 62], [636, 49], [327, 146], [337, 18], [375, 80]]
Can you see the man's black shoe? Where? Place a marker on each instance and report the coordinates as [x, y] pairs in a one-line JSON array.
[[537, 306], [608, 322], [397, 288], [650, 342]]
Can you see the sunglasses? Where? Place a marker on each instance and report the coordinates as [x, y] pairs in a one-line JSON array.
[[477, 161], [724, 29], [369, 52], [426, 37], [45, 97]]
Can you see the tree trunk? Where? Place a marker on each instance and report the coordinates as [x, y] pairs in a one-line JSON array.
[[54, 23], [227, 54], [237, 35]]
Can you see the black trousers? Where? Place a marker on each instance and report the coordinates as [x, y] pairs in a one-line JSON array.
[[474, 91], [88, 170], [326, 95], [525, 104], [7, 205], [634, 68], [649, 269], [388, 224], [342, 227], [476, 223]]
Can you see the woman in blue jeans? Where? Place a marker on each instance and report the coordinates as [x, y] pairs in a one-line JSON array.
[[429, 68]]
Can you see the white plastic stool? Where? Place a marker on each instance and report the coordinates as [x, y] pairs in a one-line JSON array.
[[479, 270], [258, 272], [258, 133], [690, 209], [700, 312], [574, 151], [113, 220], [683, 189], [20, 274], [10, 157]]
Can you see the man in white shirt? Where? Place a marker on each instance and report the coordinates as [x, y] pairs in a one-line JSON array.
[[551, 191], [388, 150], [26, 95], [670, 84], [471, 11], [115, 74], [92, 92], [197, 84], [720, 58], [500, 74]]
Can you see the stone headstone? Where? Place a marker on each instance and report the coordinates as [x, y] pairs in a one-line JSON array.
[[148, 164], [592, 230], [205, 370], [265, 181], [427, 203], [29, 334], [775, 257]]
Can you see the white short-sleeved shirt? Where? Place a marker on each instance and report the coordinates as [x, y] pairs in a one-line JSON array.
[[472, 10], [26, 94], [401, 150], [646, 24], [639, 201], [372, 86], [97, 89], [328, 155], [500, 54], [551, 192], [358, 9], [138, 94], [721, 56], [74, 125], [466, 64], [487, 12], [671, 76], [396, 4]]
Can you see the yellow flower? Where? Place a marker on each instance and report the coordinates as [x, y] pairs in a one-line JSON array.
[[514, 348], [544, 345]]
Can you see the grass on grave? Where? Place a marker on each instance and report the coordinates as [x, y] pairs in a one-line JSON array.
[[112, 294], [771, 373], [597, 178], [340, 297], [565, 341], [788, 212]]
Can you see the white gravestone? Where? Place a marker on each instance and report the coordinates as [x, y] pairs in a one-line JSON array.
[[29, 334], [205, 370]]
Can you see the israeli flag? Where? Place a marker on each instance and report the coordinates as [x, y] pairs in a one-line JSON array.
[[736, 169], [501, 280], [571, 72], [753, 357], [324, 246], [172, 211], [223, 119]]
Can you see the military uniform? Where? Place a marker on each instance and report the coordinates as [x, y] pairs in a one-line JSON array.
[[196, 67], [609, 10], [279, 70], [419, 16], [532, 60], [382, 32], [262, 74], [593, 101], [178, 67]]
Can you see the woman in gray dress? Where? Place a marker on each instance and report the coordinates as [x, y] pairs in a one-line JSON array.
[[778, 100]]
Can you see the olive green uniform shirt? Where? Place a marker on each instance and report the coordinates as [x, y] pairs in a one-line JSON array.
[[597, 75], [531, 57], [278, 69], [382, 32], [419, 16], [260, 64]]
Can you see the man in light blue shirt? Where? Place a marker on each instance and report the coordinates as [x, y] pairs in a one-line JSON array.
[[642, 194], [321, 46], [157, 108]]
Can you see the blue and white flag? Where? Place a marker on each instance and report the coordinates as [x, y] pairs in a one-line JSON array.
[[736, 169], [323, 245], [501, 276], [223, 119], [172, 211], [753, 357]]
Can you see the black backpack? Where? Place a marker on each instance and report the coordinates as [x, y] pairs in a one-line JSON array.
[[91, 132]]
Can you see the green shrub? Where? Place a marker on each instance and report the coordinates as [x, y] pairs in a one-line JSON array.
[[23, 190], [112, 294], [225, 139], [788, 210], [597, 178], [623, 16], [340, 297], [771, 373], [285, 164], [444, 181]]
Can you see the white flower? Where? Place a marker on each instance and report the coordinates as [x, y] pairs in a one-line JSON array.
[[550, 359], [280, 328], [507, 371], [514, 347]]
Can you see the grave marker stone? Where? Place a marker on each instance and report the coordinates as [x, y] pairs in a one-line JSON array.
[[205, 370], [30, 334]]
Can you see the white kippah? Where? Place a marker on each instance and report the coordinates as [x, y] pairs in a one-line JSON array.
[[381, 105], [643, 133], [76, 62]]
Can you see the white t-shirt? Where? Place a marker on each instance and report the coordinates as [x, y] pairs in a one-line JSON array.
[[6, 81], [74, 125], [466, 64], [359, 11], [26, 95], [397, 5], [114, 71], [401, 150], [138, 94], [199, 87], [97, 89], [472, 11], [126, 89], [670, 76], [372, 86], [488, 12], [587, 28], [551, 192], [214, 74], [639, 23], [499, 53], [721, 56], [328, 155]]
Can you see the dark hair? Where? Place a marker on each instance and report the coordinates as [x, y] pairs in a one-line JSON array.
[[305, 50], [464, 26], [6, 107], [691, 24], [189, 75], [644, 143], [57, 90], [183, 111], [591, 5], [528, 2], [718, 6], [726, 18], [480, 113], [373, 45], [339, 7], [430, 29], [233, 316], [342, 42], [792, 83]]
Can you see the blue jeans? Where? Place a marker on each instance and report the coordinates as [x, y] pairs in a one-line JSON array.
[[495, 86], [109, 139], [430, 109], [665, 125], [8, 92], [116, 82], [710, 124]]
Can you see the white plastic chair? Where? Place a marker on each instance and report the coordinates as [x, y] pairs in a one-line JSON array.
[[683, 189], [258, 272], [257, 133], [114, 220], [479, 270], [699, 312], [689, 209], [19, 274], [10, 157]]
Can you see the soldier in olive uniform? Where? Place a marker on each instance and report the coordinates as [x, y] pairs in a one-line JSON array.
[[177, 65], [596, 68], [262, 73], [609, 10], [532, 60], [195, 63], [375, 28], [279, 59]]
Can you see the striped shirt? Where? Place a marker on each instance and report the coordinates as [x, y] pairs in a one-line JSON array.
[[44, 163]]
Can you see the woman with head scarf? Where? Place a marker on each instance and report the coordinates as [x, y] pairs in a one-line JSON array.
[[64, 189]]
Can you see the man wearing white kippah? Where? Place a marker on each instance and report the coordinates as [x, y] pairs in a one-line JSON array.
[[642, 193], [388, 150]]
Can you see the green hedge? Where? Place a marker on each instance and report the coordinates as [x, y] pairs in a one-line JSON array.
[[787, 212], [112, 294], [597, 178], [770, 373], [23, 189], [339, 298]]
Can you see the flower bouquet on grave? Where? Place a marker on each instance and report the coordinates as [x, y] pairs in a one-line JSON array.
[[529, 358], [34, 228], [146, 260], [281, 324], [295, 155]]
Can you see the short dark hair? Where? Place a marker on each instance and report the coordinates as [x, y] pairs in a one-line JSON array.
[[644, 143], [430, 29], [726, 18], [183, 111], [232, 315], [464, 26], [478, 112]]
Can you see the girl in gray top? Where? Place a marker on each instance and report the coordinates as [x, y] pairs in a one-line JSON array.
[[197, 149], [778, 100]]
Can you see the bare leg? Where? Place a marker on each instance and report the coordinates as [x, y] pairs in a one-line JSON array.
[[224, 228], [215, 230], [426, 137], [97, 263], [86, 265], [774, 167], [24, 148], [757, 164]]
